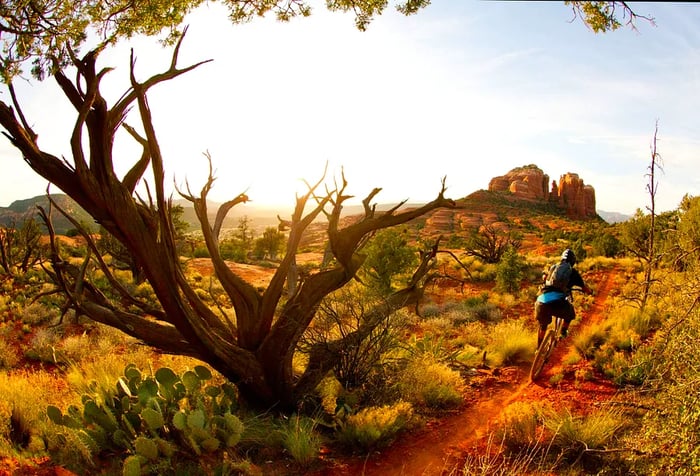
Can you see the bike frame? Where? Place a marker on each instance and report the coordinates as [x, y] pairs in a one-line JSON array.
[[549, 342]]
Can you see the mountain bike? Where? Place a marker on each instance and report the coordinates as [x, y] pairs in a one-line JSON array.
[[549, 342]]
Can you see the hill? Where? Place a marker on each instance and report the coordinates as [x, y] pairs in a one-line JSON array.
[[21, 210], [482, 207], [613, 217]]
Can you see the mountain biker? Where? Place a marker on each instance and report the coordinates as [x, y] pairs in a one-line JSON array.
[[552, 298]]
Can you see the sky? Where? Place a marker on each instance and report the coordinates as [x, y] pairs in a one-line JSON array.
[[463, 90]]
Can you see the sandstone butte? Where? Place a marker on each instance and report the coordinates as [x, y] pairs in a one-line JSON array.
[[530, 183]]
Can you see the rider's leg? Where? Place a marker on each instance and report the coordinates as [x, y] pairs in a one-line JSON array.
[[544, 317], [565, 310], [565, 329]]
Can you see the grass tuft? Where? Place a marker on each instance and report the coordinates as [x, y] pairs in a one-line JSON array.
[[300, 440], [511, 342], [374, 427]]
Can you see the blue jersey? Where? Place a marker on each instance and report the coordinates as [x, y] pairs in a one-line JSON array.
[[550, 296]]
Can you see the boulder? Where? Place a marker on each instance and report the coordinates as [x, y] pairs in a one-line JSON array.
[[528, 182]]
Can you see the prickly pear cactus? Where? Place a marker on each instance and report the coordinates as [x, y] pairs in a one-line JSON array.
[[151, 418]]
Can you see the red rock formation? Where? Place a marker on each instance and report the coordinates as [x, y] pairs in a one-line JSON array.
[[530, 183], [527, 182], [573, 195]]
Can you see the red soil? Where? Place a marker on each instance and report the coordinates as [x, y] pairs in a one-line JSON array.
[[441, 444]]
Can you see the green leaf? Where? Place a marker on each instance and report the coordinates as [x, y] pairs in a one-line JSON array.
[[131, 372], [212, 391], [132, 466], [88, 441], [203, 372], [165, 447], [147, 390], [191, 381], [196, 420], [121, 439], [210, 444], [55, 414], [154, 419], [146, 447], [166, 376], [180, 421]]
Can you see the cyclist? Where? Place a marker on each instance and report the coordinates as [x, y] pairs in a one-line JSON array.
[[551, 301]]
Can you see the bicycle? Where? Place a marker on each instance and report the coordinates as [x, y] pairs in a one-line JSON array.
[[549, 342]]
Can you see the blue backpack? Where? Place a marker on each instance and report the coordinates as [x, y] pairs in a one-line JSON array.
[[558, 276]]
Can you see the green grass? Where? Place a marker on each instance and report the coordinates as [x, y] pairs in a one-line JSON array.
[[575, 434], [374, 427], [300, 440], [426, 382], [511, 342]]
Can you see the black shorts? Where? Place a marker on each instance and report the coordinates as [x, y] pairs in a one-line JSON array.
[[559, 308]]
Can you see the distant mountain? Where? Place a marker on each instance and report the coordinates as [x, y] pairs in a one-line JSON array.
[[21, 210], [613, 217], [478, 208]]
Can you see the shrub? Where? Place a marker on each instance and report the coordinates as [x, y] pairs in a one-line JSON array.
[[589, 338], [42, 346], [671, 435], [573, 435], [510, 342], [430, 310], [485, 312], [475, 334], [509, 271], [624, 368], [375, 426], [74, 348], [630, 326], [430, 383], [24, 398], [344, 312], [8, 355], [521, 425], [37, 313]]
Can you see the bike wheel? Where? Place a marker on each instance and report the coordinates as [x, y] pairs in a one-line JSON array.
[[543, 353]]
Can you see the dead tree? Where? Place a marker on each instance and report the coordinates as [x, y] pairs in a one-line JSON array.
[[255, 349], [20, 247], [489, 244]]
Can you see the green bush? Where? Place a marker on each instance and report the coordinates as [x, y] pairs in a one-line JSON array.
[[375, 426], [430, 383], [37, 313], [510, 342], [574, 434], [509, 271]]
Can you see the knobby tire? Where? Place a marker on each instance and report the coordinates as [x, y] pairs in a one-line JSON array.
[[543, 353]]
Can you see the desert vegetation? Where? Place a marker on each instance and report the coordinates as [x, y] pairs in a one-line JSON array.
[[144, 348], [90, 398]]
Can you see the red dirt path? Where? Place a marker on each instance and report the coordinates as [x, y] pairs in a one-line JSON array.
[[438, 448]]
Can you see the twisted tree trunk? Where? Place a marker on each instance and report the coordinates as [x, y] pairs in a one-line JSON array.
[[255, 351]]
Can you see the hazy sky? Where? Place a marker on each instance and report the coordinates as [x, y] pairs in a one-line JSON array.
[[467, 90]]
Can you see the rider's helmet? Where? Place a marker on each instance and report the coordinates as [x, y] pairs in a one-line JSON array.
[[569, 256]]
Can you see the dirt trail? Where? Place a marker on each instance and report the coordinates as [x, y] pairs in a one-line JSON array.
[[439, 447]]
